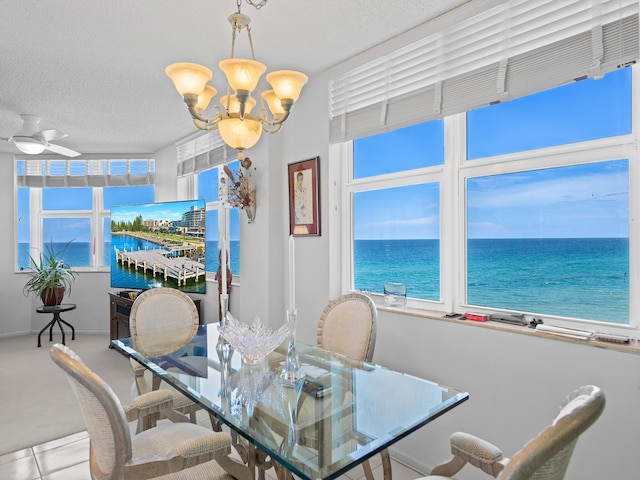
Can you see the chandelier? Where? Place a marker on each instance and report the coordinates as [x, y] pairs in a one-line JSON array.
[[238, 127]]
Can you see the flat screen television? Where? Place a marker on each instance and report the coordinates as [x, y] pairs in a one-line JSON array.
[[159, 245]]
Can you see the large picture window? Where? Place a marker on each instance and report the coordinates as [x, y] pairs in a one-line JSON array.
[[78, 217], [553, 241], [529, 210]]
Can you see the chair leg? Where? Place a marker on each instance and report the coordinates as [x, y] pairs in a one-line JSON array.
[[216, 425], [386, 466], [368, 473]]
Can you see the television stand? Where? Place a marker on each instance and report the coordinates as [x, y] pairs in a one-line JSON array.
[[119, 310]]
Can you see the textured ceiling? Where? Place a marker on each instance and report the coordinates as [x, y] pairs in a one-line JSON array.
[[95, 69]]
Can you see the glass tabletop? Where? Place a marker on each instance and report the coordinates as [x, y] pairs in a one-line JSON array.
[[341, 414]]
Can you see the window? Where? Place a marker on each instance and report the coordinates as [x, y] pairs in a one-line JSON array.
[[528, 212], [396, 229], [68, 201], [200, 167], [585, 110], [404, 149], [552, 241], [208, 182]]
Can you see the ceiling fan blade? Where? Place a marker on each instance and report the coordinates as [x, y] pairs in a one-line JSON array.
[[5, 139], [67, 152], [49, 135]]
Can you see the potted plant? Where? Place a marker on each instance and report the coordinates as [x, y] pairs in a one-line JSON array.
[[49, 278]]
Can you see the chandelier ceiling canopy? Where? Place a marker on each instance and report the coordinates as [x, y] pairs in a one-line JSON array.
[[238, 126]]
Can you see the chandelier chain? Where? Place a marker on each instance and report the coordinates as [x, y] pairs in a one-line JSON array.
[[257, 5]]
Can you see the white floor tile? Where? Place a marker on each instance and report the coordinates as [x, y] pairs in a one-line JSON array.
[[64, 456], [77, 472], [13, 456], [61, 441], [24, 468]]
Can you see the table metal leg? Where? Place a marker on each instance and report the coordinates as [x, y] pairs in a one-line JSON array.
[[61, 329], [49, 326], [73, 330]]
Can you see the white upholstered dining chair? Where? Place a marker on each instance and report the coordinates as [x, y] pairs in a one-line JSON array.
[[171, 451], [348, 326], [546, 457], [162, 321]]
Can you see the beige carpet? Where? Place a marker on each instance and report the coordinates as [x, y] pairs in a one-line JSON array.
[[36, 402]]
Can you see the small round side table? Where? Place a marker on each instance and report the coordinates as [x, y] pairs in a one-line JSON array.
[[57, 310]]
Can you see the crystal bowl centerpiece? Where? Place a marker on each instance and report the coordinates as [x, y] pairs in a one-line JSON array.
[[254, 342]]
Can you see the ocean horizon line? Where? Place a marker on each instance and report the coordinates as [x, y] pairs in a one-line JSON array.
[[496, 238]]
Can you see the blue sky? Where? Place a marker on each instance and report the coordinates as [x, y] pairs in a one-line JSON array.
[[580, 201]]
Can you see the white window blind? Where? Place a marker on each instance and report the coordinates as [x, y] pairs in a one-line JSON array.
[[43, 173], [202, 153], [515, 49]]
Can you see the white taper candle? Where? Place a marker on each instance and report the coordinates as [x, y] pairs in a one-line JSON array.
[[223, 266], [292, 275]]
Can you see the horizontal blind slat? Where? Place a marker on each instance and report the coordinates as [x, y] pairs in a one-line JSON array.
[[43, 173], [202, 153]]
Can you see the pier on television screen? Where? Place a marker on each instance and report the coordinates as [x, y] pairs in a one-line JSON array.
[[159, 245]]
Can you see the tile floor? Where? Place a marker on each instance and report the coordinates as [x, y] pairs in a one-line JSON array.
[[67, 459]]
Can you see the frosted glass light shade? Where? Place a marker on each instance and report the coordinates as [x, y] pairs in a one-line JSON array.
[[234, 104], [274, 102], [287, 83], [205, 97], [242, 73], [189, 77], [28, 145], [240, 134]]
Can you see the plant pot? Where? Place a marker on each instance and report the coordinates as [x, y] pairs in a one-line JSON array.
[[52, 296]]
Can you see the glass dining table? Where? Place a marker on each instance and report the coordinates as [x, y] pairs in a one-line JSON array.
[[338, 416]]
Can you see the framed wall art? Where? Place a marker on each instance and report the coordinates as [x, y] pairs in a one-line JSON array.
[[304, 197]]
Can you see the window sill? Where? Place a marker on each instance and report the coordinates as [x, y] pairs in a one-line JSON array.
[[632, 347]]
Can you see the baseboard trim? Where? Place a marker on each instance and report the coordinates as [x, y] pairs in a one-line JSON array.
[[410, 462]]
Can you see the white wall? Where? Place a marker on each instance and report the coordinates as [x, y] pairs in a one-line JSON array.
[[516, 383]]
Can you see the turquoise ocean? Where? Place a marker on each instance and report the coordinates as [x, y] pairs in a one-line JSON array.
[[574, 277], [582, 278]]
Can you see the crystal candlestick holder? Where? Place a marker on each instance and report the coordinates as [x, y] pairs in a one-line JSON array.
[[292, 372], [223, 347]]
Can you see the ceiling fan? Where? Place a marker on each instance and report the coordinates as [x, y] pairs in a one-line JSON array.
[[32, 141]]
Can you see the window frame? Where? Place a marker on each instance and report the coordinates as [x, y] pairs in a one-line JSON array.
[[453, 176], [189, 189], [96, 217]]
